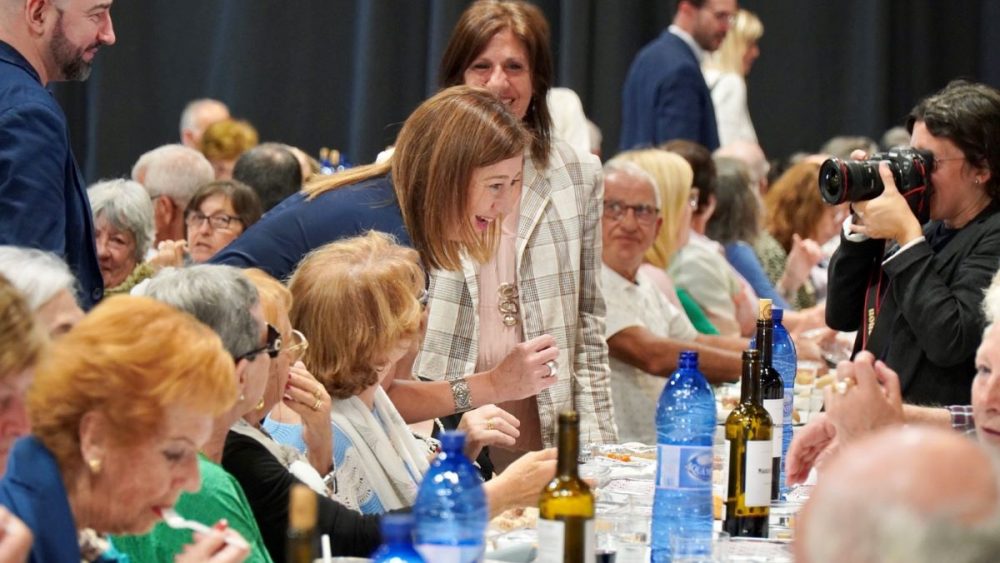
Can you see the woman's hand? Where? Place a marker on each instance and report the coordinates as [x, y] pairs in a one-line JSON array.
[[214, 547], [888, 216], [310, 400], [524, 371], [866, 397], [803, 256], [487, 426], [15, 538], [169, 254], [522, 482]]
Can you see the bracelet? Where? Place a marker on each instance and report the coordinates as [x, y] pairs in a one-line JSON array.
[[460, 394]]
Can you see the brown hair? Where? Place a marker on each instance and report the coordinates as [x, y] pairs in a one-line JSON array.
[[21, 338], [228, 139], [130, 359], [246, 202], [793, 204], [473, 32], [356, 299], [701, 163], [440, 145]]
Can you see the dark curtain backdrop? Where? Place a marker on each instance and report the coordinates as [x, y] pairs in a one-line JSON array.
[[346, 73]]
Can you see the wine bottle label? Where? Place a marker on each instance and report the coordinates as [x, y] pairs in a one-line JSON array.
[[757, 479], [552, 540], [684, 467], [450, 553], [775, 408]]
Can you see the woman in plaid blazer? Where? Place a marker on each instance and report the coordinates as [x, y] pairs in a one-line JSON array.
[[549, 283]]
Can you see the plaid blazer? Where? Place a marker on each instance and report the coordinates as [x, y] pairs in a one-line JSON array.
[[558, 263]]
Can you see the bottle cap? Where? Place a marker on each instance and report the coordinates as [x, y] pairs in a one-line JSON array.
[[452, 440], [688, 358], [777, 313], [753, 355], [764, 310], [396, 526], [569, 417]]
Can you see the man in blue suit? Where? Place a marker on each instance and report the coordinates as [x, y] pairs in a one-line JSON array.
[[43, 200], [665, 95]]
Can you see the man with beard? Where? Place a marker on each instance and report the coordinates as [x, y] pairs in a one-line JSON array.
[[43, 201], [665, 95]]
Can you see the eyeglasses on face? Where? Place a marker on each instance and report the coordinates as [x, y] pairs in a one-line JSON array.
[[272, 347], [615, 210], [218, 221], [298, 347]]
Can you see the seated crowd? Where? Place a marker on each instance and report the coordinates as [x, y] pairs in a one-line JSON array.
[[263, 324]]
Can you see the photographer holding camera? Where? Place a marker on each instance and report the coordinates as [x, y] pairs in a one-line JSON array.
[[912, 288]]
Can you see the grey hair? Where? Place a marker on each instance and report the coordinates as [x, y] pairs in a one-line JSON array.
[[991, 301], [37, 274], [126, 205], [190, 114], [174, 171], [738, 209], [622, 166], [219, 296]]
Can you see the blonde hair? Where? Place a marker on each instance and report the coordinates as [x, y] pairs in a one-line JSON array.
[[21, 338], [439, 147], [746, 30], [130, 359], [356, 299], [228, 139], [673, 177], [275, 300]]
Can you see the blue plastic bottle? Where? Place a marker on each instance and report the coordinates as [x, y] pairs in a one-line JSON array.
[[685, 423], [451, 512], [397, 541], [784, 360]]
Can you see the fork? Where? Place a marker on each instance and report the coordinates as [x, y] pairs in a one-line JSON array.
[[178, 522]]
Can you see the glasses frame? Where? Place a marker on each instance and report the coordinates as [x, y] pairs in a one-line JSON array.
[[297, 350], [217, 221], [636, 208], [272, 347]]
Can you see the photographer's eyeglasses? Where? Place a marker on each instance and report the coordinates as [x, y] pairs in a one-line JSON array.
[[615, 210], [219, 221], [272, 347]]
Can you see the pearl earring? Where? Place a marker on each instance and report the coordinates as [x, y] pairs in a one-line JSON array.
[[94, 464]]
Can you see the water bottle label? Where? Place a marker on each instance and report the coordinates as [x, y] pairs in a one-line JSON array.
[[775, 408], [552, 541], [757, 478], [450, 553], [684, 467]]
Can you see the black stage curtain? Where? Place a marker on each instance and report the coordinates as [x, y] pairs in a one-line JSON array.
[[346, 73]]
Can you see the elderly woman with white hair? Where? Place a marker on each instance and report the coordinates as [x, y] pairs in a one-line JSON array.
[[123, 229], [47, 285]]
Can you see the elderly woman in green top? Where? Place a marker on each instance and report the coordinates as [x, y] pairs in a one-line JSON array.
[[123, 231]]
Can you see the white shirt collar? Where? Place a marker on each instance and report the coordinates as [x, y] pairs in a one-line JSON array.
[[699, 53]]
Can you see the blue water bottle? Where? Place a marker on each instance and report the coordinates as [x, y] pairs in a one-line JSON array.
[[397, 541], [784, 360], [451, 512], [685, 424]]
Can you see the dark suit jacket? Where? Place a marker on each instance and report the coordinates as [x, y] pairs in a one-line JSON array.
[[930, 323], [32, 489], [665, 97], [43, 199]]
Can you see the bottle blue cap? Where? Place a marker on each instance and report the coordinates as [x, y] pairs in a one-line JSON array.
[[452, 440], [396, 526], [688, 358], [777, 313]]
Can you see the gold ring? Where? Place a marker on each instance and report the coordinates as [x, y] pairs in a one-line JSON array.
[[843, 385], [317, 404], [490, 425], [317, 394]]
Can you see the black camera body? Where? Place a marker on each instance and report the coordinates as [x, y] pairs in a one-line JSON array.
[[841, 181]]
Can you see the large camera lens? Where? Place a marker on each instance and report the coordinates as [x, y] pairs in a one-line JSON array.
[[849, 180]]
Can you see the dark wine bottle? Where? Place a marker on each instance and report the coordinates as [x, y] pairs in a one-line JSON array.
[[747, 468], [772, 389], [566, 506]]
